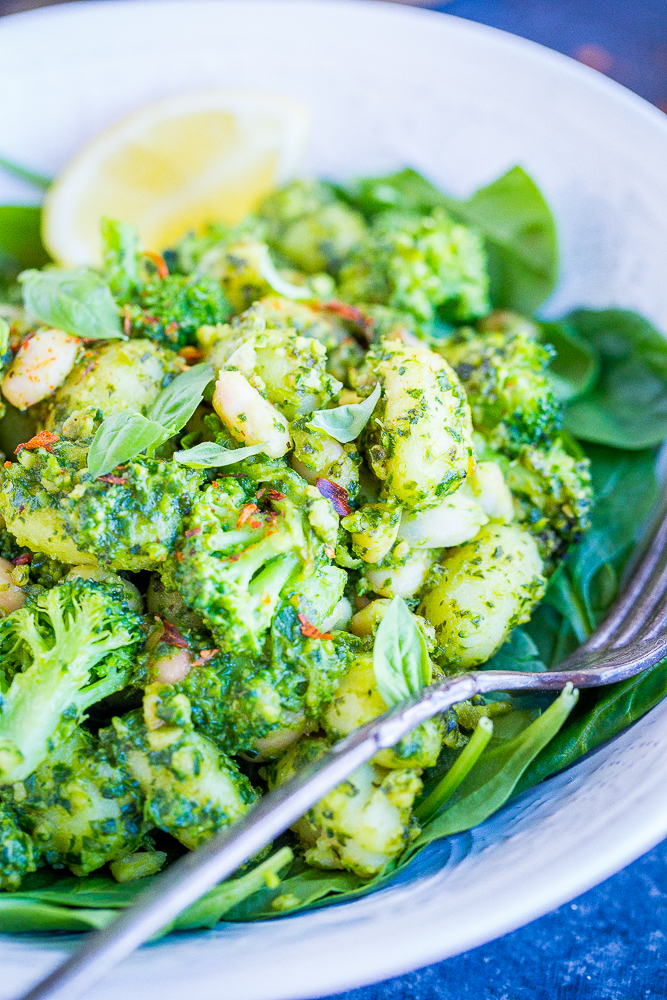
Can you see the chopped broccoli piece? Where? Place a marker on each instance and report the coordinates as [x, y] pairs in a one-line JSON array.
[[235, 561], [170, 310], [425, 265], [52, 504], [113, 378], [553, 497], [17, 854], [64, 650], [310, 227], [81, 809], [192, 788], [502, 366]]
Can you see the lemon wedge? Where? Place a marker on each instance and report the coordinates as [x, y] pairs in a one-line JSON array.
[[173, 167]]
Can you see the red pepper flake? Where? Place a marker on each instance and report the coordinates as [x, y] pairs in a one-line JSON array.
[[172, 636], [190, 354], [310, 631], [42, 440], [204, 655], [23, 560], [113, 480], [160, 263], [246, 512], [330, 551], [235, 558], [255, 524], [275, 495], [347, 312], [8, 465], [194, 531], [127, 321], [260, 494], [337, 495], [179, 556]]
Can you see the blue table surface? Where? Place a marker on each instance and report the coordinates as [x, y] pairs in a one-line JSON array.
[[611, 943]]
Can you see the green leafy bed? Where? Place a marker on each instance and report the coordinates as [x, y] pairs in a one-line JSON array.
[[611, 369]]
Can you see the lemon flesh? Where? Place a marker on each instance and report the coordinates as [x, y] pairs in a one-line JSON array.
[[172, 168]]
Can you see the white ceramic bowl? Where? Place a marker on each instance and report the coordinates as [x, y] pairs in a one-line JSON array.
[[388, 87]]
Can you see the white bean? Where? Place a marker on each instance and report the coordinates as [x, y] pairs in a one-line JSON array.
[[12, 598], [42, 363], [249, 417]]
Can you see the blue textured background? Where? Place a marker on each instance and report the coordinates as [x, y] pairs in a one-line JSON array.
[[611, 943]]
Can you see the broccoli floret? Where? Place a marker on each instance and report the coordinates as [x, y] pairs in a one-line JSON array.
[[113, 378], [17, 854], [310, 227], [364, 823], [170, 310], [52, 504], [553, 497], [236, 559], [192, 788], [64, 650], [81, 809], [239, 262], [421, 264], [502, 366]]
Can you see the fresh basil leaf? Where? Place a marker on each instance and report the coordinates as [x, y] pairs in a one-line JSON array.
[[618, 706], [345, 423], [77, 301], [491, 782], [120, 252], [209, 455], [20, 241], [511, 214], [400, 658], [576, 366], [176, 404], [25, 174], [627, 405], [120, 438]]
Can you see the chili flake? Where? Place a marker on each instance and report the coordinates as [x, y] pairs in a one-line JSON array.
[[337, 495], [42, 440], [246, 512], [204, 655], [113, 480], [160, 263], [172, 636], [310, 631], [194, 531], [23, 560]]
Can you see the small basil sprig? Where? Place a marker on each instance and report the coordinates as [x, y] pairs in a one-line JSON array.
[[123, 436], [77, 301], [400, 657], [345, 423], [209, 455]]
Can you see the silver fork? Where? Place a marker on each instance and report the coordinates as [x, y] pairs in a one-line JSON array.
[[631, 639]]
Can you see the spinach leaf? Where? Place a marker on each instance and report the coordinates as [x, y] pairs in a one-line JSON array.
[[77, 301], [618, 706], [518, 653], [400, 658], [176, 404], [521, 240], [120, 438], [209, 455], [345, 423], [457, 773], [491, 782], [25, 174], [120, 250], [576, 366], [25, 916], [627, 405], [511, 214], [302, 889], [20, 241]]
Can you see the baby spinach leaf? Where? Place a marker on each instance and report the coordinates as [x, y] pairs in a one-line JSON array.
[[459, 770], [176, 404], [400, 658], [120, 438], [209, 455], [20, 240], [25, 916], [618, 706], [577, 364], [295, 892], [25, 174], [77, 301], [518, 653], [120, 251], [345, 423], [627, 406], [493, 779]]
